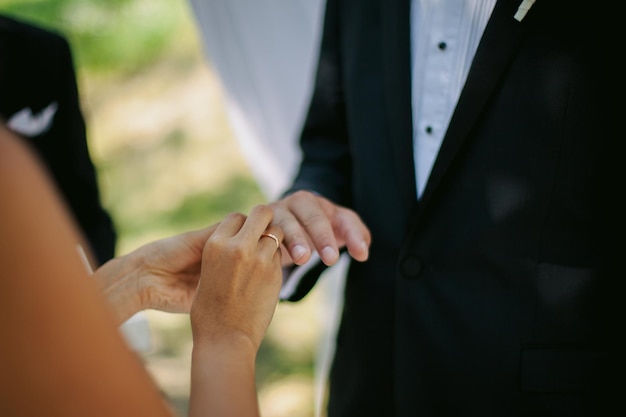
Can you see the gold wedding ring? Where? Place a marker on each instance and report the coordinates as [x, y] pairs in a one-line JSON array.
[[270, 235]]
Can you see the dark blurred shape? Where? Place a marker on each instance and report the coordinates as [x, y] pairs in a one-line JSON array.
[[39, 100]]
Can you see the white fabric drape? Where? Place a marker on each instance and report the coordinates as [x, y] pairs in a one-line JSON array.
[[265, 53]]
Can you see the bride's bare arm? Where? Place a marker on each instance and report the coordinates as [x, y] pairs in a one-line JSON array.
[[60, 349], [235, 301]]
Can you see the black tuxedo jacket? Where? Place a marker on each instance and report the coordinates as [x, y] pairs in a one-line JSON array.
[[37, 73], [499, 292]]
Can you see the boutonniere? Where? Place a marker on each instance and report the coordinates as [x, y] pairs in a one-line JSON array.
[[523, 8]]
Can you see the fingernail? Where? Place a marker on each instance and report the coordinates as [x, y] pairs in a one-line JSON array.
[[298, 252], [329, 255], [366, 249]]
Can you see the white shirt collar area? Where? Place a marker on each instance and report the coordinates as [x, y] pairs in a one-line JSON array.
[[444, 38]]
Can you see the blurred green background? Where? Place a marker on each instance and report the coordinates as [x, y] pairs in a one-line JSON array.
[[167, 162], [114, 36]]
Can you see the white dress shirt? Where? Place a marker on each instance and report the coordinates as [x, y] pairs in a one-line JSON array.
[[444, 38]]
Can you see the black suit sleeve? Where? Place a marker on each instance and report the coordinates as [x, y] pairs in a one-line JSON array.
[[73, 165], [326, 161], [37, 72]]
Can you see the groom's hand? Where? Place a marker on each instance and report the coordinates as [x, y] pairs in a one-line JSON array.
[[313, 223]]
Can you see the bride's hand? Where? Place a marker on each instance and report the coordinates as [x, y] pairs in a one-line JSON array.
[[240, 280], [161, 275]]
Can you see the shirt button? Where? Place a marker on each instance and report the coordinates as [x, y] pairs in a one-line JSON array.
[[442, 46], [411, 267], [428, 129]]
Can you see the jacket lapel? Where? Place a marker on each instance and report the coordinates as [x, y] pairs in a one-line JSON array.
[[397, 86], [497, 47]]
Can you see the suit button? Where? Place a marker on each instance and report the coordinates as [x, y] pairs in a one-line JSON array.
[[411, 267]]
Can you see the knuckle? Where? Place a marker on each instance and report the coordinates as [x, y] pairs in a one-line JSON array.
[[314, 218], [285, 222], [212, 245], [301, 195], [236, 216], [263, 209], [322, 238]]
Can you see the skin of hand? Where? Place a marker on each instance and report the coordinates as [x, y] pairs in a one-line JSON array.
[[161, 275], [236, 298], [311, 222], [61, 352], [240, 279]]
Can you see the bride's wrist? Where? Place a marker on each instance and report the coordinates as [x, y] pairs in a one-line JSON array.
[[119, 280]]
